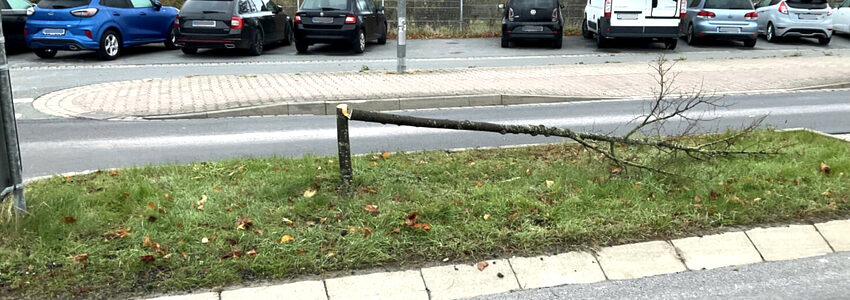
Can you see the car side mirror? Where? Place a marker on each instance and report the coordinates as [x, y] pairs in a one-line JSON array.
[[276, 9], [501, 6], [157, 5]]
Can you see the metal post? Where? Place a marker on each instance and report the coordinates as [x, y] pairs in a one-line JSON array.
[[460, 24], [10, 128], [402, 38], [297, 5], [344, 148]]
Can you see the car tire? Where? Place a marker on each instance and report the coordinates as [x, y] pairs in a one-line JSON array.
[[256, 48], [558, 43], [110, 45], [45, 53], [171, 40], [189, 51], [770, 34], [690, 37], [601, 41], [506, 43], [750, 43], [824, 40], [584, 31], [358, 45], [301, 47], [670, 44], [382, 40], [290, 36]]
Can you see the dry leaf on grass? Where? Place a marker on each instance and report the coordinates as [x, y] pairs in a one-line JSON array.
[[69, 220], [243, 223], [147, 258], [288, 222], [147, 242], [81, 259], [309, 193], [286, 238], [482, 265], [824, 168], [371, 208], [205, 240], [385, 155], [549, 183]]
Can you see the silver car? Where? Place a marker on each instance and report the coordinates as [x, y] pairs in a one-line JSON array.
[[720, 19], [795, 18]]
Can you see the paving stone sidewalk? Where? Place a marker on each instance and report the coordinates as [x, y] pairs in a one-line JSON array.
[[454, 281], [315, 93]]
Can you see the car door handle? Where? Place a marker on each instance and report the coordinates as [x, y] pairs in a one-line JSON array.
[[116, 14]]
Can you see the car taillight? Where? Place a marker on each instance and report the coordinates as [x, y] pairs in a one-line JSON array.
[[751, 16], [705, 14], [510, 14], [177, 21], [783, 8], [297, 18], [26, 32], [236, 23], [88, 33], [85, 13], [608, 6], [683, 9], [555, 15], [350, 19]]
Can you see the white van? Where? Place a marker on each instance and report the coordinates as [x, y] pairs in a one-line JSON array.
[[651, 19]]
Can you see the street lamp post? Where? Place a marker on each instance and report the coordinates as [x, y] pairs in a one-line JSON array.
[[12, 181], [402, 38]]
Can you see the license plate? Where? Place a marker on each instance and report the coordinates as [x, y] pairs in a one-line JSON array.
[[323, 20], [729, 29], [532, 28], [627, 16], [808, 16], [53, 31], [203, 23]]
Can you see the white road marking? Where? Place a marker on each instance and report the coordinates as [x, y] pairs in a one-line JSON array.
[[18, 116], [23, 100]]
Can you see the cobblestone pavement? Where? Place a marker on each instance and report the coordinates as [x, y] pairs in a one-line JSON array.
[[196, 94]]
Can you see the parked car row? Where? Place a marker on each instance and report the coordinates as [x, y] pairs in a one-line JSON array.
[[108, 26]]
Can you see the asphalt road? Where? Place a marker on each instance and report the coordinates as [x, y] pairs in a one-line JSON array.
[[58, 146], [823, 277]]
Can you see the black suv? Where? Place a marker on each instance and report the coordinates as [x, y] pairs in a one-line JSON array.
[[532, 20], [242, 24], [340, 21]]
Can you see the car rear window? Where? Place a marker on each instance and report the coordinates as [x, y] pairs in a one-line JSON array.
[[62, 3], [19, 4], [729, 4], [210, 6], [811, 4], [325, 4], [533, 3]]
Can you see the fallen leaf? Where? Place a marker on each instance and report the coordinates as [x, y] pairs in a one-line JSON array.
[[527, 172], [513, 216], [827, 193], [243, 223], [151, 205], [396, 230], [286, 238], [616, 170], [482, 265], [479, 184], [114, 173], [309, 193], [258, 231], [217, 189], [152, 219], [423, 226], [69, 220], [549, 183], [385, 155], [374, 163], [486, 217], [81, 259], [367, 232], [756, 199], [167, 256], [252, 252], [713, 195], [697, 199], [445, 259], [824, 168], [352, 229], [147, 242], [310, 223], [148, 258], [288, 222], [205, 240], [371, 208], [411, 219], [232, 254]]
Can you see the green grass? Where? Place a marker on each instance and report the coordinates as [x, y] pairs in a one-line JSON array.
[[479, 204]]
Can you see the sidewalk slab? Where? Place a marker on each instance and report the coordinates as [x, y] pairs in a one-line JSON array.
[[378, 286], [302, 290], [794, 241], [463, 281], [203, 296], [639, 260], [714, 251], [836, 233], [565, 268]]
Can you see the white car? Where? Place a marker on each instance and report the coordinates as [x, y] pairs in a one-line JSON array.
[[841, 19], [646, 19]]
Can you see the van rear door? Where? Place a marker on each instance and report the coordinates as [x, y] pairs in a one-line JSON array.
[[664, 8], [629, 12]]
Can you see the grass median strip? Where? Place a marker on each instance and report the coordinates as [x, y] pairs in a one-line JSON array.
[[205, 225]]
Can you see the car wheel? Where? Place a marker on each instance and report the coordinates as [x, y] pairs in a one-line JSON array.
[[171, 40], [289, 37], [382, 40], [601, 41], [301, 47], [190, 51], [359, 43], [584, 31], [670, 44], [256, 44], [45, 53], [110, 45], [771, 33], [824, 40], [691, 37], [750, 43], [558, 43]]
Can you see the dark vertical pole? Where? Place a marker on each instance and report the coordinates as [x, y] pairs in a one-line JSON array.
[[345, 173], [10, 128], [402, 36]]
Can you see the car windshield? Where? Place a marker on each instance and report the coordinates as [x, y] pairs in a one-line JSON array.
[[325, 4], [208, 6], [534, 3], [19, 4], [62, 3], [810, 4], [728, 4]]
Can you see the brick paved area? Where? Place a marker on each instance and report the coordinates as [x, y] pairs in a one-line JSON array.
[[193, 94]]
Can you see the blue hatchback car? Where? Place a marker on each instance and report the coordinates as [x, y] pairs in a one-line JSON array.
[[105, 26]]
